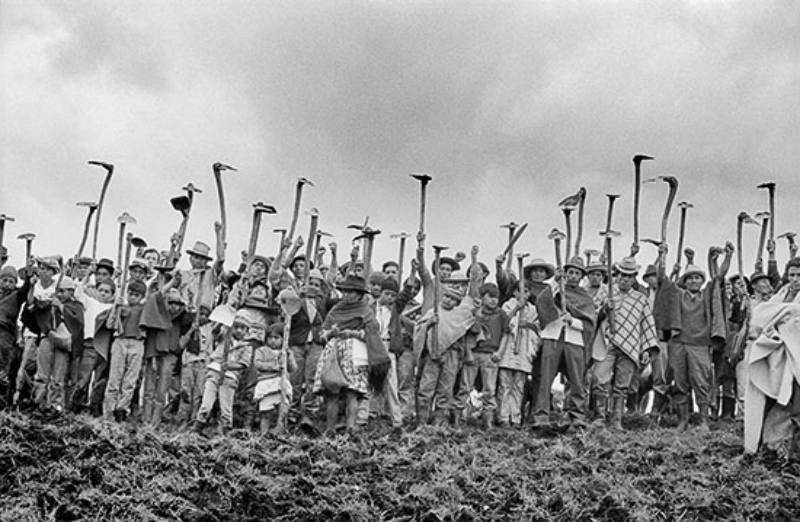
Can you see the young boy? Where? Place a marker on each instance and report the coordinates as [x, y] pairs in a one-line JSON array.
[[164, 319], [93, 358], [197, 344], [267, 361], [226, 366], [491, 323], [515, 357], [11, 301], [127, 352], [53, 361]]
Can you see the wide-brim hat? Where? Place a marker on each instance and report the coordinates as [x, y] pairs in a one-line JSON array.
[[353, 283], [200, 249], [256, 303], [50, 262], [576, 263], [597, 267], [757, 276], [452, 263], [85, 260], [106, 263], [483, 267], [539, 263], [627, 266], [692, 270], [262, 259], [458, 277], [141, 263]]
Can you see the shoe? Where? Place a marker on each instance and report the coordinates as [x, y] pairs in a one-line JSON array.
[[683, 417], [728, 409]]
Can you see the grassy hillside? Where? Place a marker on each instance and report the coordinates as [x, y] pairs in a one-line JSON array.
[[77, 468]]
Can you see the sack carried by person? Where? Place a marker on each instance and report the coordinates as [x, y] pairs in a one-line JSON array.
[[61, 338], [331, 376]]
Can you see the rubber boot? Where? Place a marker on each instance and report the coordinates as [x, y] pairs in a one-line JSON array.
[[728, 409], [617, 407], [683, 416], [703, 426], [457, 419], [600, 408], [487, 419]]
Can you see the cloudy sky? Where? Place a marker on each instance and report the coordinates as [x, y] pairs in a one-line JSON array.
[[510, 106]]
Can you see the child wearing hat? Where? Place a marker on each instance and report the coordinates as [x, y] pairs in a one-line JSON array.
[[518, 348], [127, 352], [227, 364], [197, 344], [268, 361], [11, 301], [439, 360]]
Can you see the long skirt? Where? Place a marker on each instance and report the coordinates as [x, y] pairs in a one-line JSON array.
[[352, 361]]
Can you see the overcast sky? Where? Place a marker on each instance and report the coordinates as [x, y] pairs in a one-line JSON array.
[[510, 106]]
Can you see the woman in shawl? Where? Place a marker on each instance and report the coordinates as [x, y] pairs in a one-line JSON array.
[[353, 358]]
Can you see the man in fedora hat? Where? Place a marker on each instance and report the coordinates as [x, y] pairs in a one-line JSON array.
[[201, 274], [565, 339], [631, 340]]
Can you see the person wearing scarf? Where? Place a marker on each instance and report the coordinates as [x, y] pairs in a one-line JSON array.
[[353, 344], [566, 341]]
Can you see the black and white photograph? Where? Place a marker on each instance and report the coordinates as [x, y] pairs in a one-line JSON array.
[[414, 260]]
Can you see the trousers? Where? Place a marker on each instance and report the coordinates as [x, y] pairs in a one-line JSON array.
[[123, 374]]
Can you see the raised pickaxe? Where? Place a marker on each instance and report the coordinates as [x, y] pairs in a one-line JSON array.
[[589, 253], [576, 200], [218, 168], [298, 194], [742, 219], [402, 236], [423, 179], [368, 235], [259, 209], [637, 187], [282, 232], [770, 186], [673, 190], [28, 237], [437, 290], [109, 168], [511, 228], [92, 206], [124, 220], [520, 230], [762, 239], [520, 260], [790, 238], [312, 232], [3, 219], [609, 235], [556, 236], [568, 242], [684, 206], [609, 215]]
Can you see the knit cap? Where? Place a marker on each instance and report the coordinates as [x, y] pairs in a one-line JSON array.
[[390, 283], [9, 271], [376, 278]]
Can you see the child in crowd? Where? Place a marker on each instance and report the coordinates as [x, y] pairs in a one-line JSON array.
[[268, 362]]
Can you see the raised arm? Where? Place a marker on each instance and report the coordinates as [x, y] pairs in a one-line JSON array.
[[474, 274]]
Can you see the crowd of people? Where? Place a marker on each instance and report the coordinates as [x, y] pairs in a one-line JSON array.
[[284, 341]]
